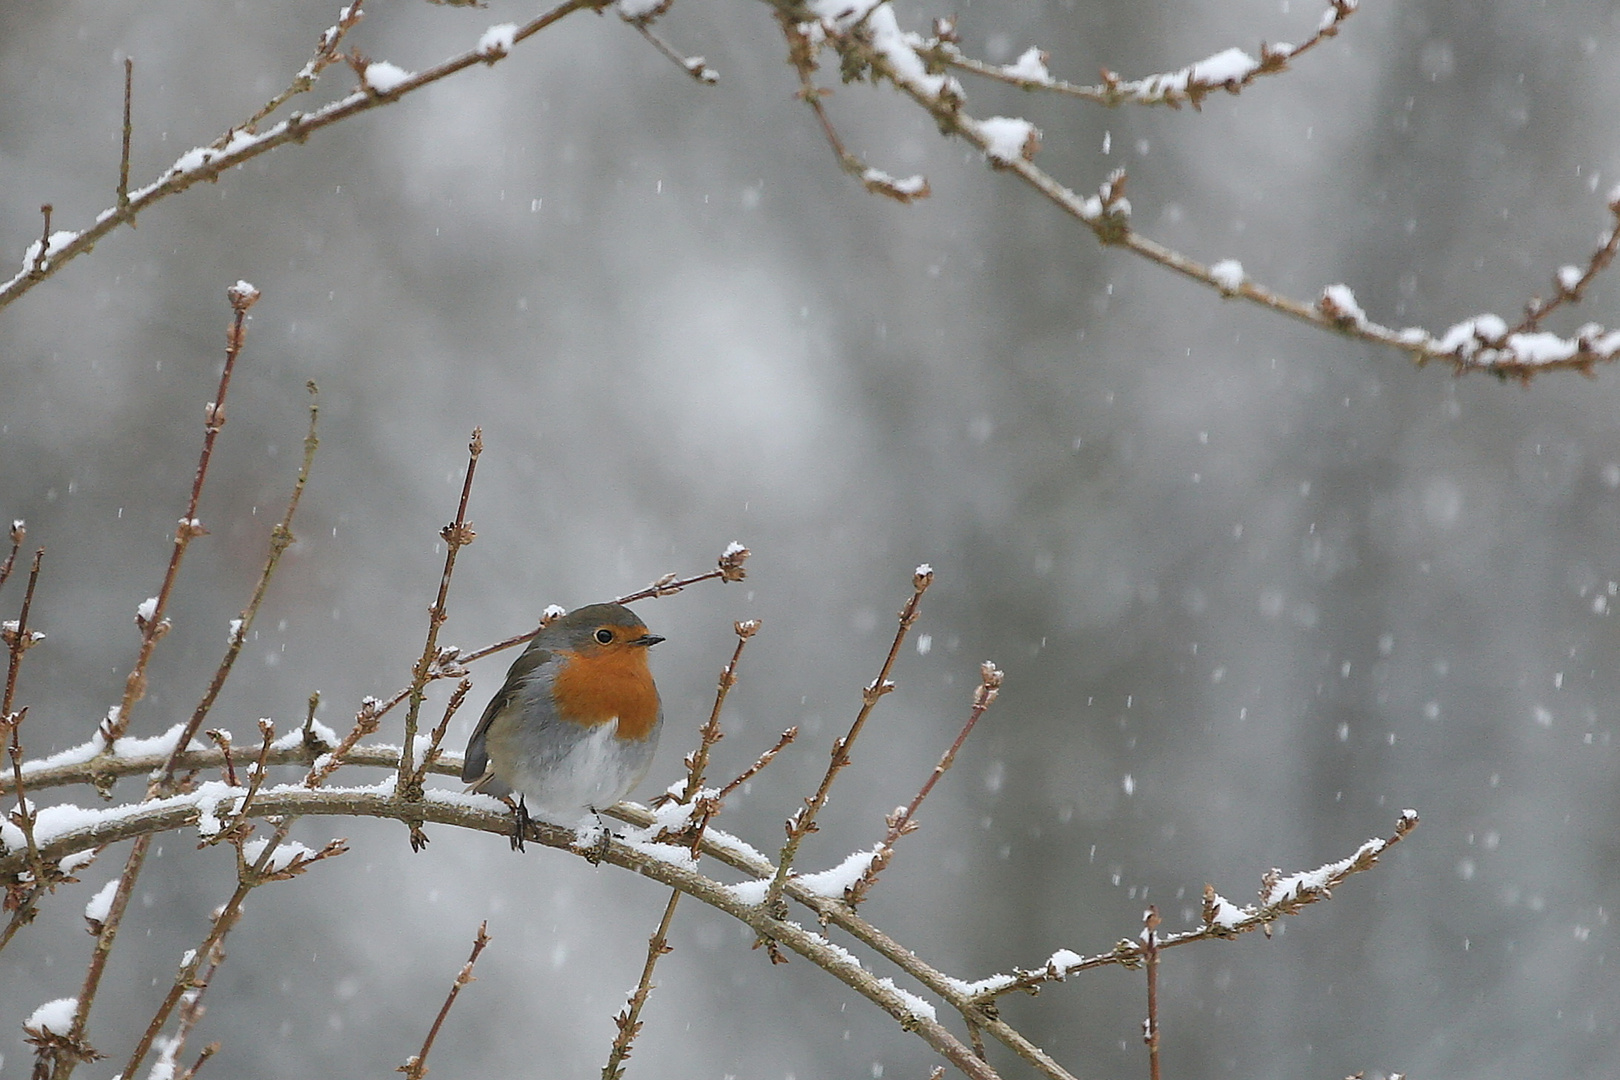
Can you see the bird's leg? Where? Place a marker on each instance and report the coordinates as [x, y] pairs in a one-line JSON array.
[[520, 824], [592, 837]]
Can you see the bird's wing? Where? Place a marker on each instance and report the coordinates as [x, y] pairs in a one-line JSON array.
[[476, 765]]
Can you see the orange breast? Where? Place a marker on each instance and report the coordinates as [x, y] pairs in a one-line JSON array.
[[593, 689]]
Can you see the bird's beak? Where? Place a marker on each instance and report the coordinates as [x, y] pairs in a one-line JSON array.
[[645, 639]]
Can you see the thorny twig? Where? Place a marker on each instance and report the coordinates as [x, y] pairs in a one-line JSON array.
[[415, 1067]]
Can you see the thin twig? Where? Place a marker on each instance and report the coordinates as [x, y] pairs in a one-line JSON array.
[[366, 720], [1570, 283], [456, 535], [191, 1011], [904, 819], [628, 1022], [419, 839], [1175, 88], [415, 1066], [697, 764], [222, 739], [238, 822], [18, 639], [19, 533], [759, 763], [803, 821], [152, 623], [242, 297], [1484, 343], [1279, 897], [36, 272], [250, 876], [802, 58], [239, 145], [1150, 960], [281, 538], [328, 51], [129, 132], [728, 568], [694, 66]]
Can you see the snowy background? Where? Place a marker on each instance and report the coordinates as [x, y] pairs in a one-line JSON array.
[[1255, 588]]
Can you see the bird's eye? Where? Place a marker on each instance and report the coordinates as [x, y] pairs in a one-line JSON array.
[[605, 636]]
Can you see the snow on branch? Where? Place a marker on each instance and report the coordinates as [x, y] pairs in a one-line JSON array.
[[1231, 70], [381, 83], [870, 45]]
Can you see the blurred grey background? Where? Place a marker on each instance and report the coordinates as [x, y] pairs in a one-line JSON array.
[[1255, 588]]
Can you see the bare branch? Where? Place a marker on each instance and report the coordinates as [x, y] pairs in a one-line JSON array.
[[456, 535], [803, 821], [415, 1067]]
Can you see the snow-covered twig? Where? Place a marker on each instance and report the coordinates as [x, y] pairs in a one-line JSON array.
[[1279, 897], [1231, 70], [244, 142]]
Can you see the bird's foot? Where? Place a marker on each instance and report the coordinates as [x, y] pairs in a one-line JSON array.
[[520, 824]]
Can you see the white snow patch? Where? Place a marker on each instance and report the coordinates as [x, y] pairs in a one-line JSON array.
[[751, 893], [1344, 304], [912, 186], [101, 903], [832, 883], [1227, 275], [1227, 66], [637, 9], [915, 1005], [1006, 138], [1030, 66], [55, 1017], [383, 77], [281, 858], [1227, 914], [498, 40]]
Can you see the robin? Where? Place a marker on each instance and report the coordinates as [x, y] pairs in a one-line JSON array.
[[576, 723]]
